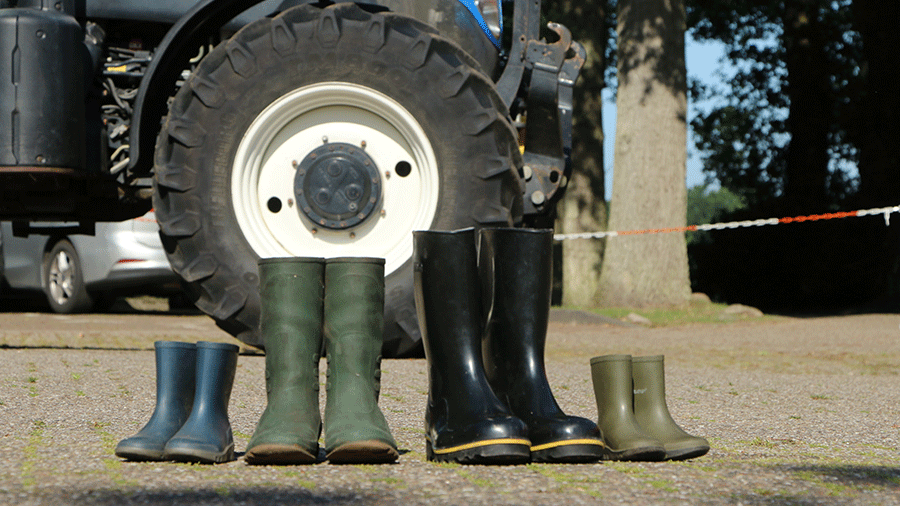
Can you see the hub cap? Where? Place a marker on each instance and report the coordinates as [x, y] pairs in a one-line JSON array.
[[61, 280], [337, 186]]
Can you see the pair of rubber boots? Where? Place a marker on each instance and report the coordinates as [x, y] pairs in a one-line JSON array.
[[483, 316], [308, 303], [190, 422], [632, 411]]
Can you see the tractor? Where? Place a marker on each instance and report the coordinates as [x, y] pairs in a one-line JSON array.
[[270, 128]]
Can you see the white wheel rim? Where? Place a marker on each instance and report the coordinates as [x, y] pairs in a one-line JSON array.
[[295, 124]]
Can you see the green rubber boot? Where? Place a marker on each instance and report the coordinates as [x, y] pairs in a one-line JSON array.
[[355, 429], [653, 415], [624, 438], [290, 291]]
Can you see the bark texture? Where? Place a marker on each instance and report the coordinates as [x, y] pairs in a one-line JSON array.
[[650, 155]]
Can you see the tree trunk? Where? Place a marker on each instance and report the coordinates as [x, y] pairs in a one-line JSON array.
[[650, 156], [809, 117], [583, 209]]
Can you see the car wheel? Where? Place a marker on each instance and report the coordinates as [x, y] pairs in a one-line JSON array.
[[63, 280], [327, 133]]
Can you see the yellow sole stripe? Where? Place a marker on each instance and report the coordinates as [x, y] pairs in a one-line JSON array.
[[478, 444], [567, 442]]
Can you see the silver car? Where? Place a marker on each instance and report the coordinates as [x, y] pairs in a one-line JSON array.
[[77, 272]]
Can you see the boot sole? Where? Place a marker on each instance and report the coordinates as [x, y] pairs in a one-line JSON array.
[[363, 452], [687, 453], [646, 454], [493, 451], [278, 454], [575, 451], [200, 456], [139, 454]]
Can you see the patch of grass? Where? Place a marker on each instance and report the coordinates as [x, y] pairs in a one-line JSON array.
[[475, 479], [626, 468], [446, 465], [765, 443], [301, 478], [109, 441], [700, 312], [820, 397], [662, 484], [35, 441], [833, 488]]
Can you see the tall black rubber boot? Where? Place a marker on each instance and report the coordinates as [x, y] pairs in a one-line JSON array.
[[653, 415], [176, 365], [356, 431], [206, 435], [515, 267], [291, 291], [465, 422], [624, 437]]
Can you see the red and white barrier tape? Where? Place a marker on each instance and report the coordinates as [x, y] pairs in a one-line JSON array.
[[885, 211]]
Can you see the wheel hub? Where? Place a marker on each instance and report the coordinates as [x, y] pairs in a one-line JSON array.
[[337, 186]]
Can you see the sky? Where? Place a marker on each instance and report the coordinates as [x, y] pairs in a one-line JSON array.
[[703, 61]]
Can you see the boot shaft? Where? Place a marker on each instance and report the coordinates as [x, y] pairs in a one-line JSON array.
[[354, 324], [291, 315], [515, 266], [448, 299], [291, 292], [515, 269], [613, 386], [216, 367], [176, 372], [354, 302], [649, 385]]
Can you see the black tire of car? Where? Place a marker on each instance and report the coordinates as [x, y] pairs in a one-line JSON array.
[[466, 123], [74, 299]]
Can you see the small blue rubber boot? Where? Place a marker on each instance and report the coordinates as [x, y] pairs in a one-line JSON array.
[[206, 435], [175, 373]]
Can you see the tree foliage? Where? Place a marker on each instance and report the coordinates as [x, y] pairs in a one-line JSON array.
[[784, 131], [802, 126]]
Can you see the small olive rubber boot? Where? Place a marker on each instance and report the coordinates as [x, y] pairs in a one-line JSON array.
[[206, 435], [176, 366], [653, 415], [290, 292], [465, 422], [624, 438], [516, 274], [355, 429]]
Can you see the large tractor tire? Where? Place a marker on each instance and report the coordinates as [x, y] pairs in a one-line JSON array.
[[328, 132]]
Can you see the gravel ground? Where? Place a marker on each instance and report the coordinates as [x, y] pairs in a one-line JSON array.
[[798, 411]]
